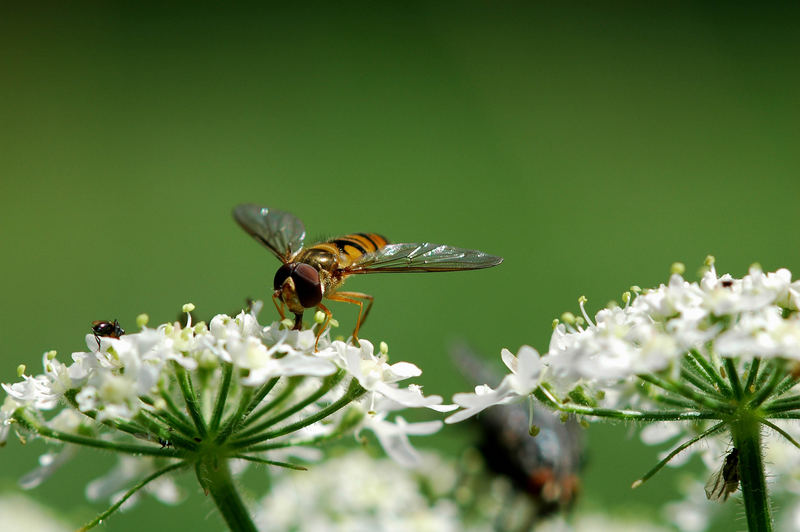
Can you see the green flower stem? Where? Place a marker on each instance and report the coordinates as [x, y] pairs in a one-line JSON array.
[[685, 391], [782, 406], [544, 395], [685, 445], [746, 432], [260, 395], [348, 423], [172, 436], [258, 460], [786, 384], [275, 402], [215, 478], [752, 373], [695, 356], [142, 427], [789, 400], [173, 408], [222, 397], [170, 420], [733, 378], [190, 398], [25, 419], [785, 415], [698, 380], [691, 365], [352, 394], [236, 418], [780, 431], [765, 391], [99, 519], [672, 401], [326, 386]]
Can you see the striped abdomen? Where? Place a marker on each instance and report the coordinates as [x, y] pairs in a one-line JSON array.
[[350, 247]]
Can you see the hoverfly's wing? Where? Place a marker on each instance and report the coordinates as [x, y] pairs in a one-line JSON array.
[[281, 232], [424, 257]]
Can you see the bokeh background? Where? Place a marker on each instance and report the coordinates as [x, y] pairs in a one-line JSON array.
[[591, 146]]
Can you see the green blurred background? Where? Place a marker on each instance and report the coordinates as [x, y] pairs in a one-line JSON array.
[[590, 146]]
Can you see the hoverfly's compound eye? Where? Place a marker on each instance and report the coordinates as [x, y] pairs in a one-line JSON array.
[[281, 275], [307, 285]]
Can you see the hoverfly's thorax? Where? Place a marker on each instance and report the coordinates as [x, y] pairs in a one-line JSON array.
[[319, 258]]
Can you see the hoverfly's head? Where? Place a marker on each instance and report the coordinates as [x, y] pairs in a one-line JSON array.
[[298, 285]]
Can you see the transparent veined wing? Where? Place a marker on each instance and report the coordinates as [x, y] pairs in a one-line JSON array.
[[724, 481], [281, 232], [422, 257]]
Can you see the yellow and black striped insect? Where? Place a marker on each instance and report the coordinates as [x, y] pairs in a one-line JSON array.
[[308, 275]]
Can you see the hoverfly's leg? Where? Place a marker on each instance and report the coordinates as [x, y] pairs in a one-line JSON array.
[[347, 297], [323, 325], [298, 322], [275, 298]]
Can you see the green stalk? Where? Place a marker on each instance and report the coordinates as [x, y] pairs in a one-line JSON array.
[[352, 394], [215, 478], [26, 420], [695, 356], [752, 373], [695, 378], [746, 432], [546, 397], [274, 402], [782, 405], [326, 386], [222, 397], [685, 445], [347, 424], [766, 390], [733, 378], [172, 406], [787, 384], [260, 460], [235, 419], [128, 494], [190, 398], [683, 390], [259, 396]]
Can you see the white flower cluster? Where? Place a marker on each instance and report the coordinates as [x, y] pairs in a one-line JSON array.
[[137, 379], [719, 317], [358, 493]]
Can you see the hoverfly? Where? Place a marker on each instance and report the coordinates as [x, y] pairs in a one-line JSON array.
[[724, 481], [109, 329], [309, 274]]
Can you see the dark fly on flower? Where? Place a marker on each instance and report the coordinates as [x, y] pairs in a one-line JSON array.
[[309, 274], [108, 329], [546, 466], [724, 481]]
